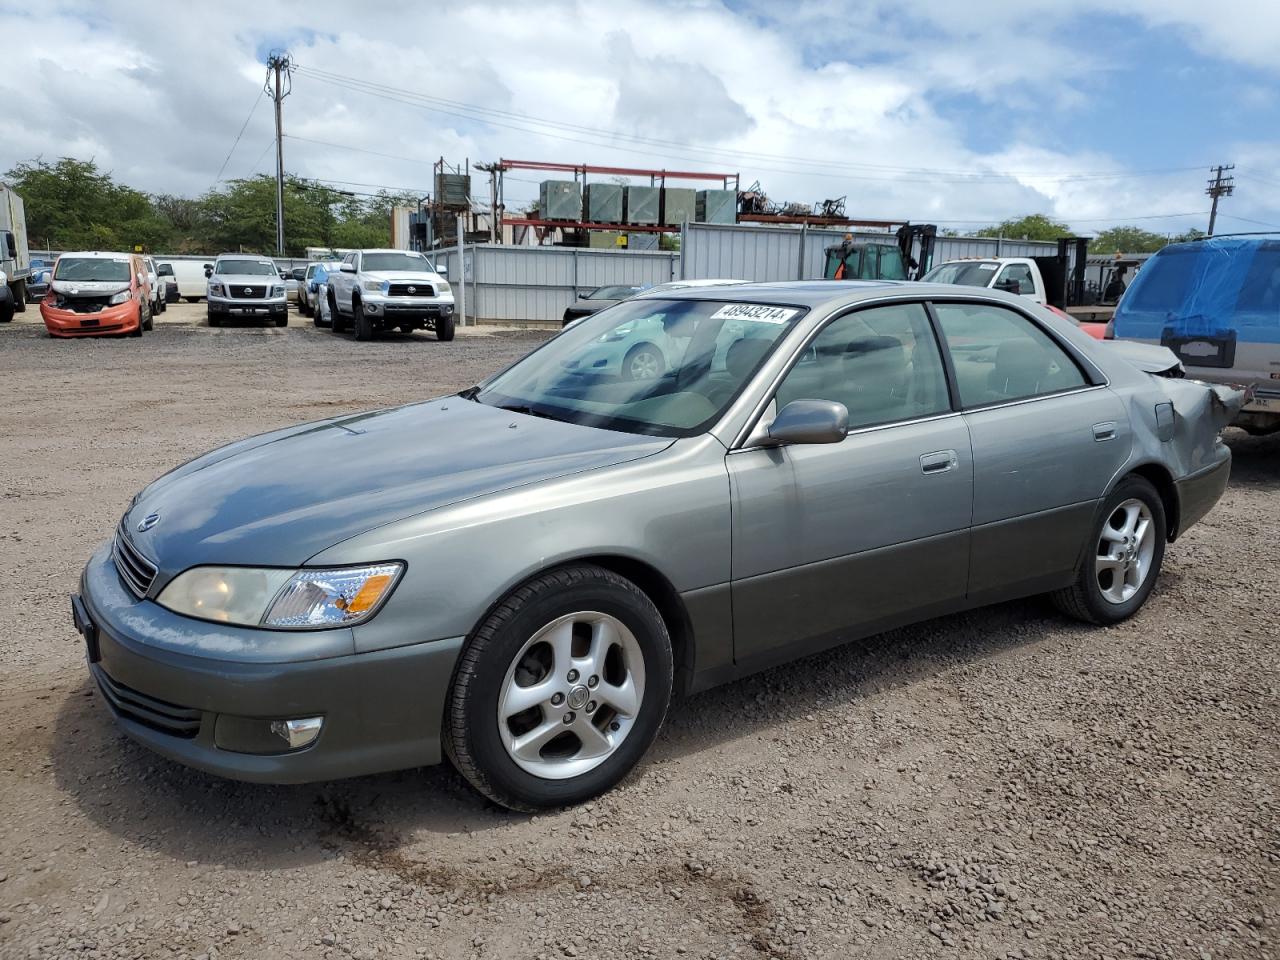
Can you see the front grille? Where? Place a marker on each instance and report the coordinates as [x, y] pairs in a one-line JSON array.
[[135, 570], [83, 304], [403, 290], [246, 293], [168, 718]]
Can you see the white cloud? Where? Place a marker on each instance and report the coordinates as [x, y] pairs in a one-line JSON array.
[[815, 99]]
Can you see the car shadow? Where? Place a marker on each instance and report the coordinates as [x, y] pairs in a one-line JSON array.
[[1255, 461], [188, 815]]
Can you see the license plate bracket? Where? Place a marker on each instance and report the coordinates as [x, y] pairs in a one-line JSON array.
[[86, 628], [1202, 351]]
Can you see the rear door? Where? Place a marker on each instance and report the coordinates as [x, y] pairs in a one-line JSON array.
[[849, 537], [1046, 443]]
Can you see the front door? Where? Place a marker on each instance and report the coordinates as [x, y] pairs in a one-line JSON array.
[[834, 540]]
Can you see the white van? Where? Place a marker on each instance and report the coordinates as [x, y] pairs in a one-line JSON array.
[[193, 285]]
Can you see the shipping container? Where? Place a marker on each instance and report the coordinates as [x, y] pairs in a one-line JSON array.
[[642, 204], [559, 200], [603, 202], [717, 206], [679, 205]]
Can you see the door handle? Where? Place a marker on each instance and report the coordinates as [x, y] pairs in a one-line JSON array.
[[940, 461], [1104, 431]]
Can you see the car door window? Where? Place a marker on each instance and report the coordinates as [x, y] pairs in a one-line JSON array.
[[1018, 273], [1001, 355], [882, 363]]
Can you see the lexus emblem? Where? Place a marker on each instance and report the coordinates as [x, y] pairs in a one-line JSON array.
[[147, 522], [413, 289], [248, 291]]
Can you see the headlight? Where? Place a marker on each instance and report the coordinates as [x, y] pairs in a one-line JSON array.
[[373, 286], [215, 289], [443, 287], [277, 291], [287, 599], [124, 296]]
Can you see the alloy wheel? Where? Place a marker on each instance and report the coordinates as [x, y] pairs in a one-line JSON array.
[[1125, 551], [571, 695]]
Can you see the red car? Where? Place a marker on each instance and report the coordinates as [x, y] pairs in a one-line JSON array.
[[97, 293], [1096, 330]]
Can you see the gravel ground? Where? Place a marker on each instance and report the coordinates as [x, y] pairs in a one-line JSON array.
[[1003, 783]]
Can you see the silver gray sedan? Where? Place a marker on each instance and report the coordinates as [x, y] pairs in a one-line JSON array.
[[521, 576]]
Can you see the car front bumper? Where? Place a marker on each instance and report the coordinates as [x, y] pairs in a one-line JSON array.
[[405, 308], [122, 318], [275, 307], [381, 710]]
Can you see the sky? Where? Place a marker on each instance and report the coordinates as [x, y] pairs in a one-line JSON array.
[[960, 114]]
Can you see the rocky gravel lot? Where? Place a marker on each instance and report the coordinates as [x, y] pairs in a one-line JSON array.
[[1005, 783]]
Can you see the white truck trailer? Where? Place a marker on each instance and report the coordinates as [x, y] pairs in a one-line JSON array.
[[15, 258]]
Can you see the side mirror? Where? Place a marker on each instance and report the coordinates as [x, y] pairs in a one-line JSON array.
[[810, 421], [1009, 286], [208, 271], [442, 271], [347, 268]]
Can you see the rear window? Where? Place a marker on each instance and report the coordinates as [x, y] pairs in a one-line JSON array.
[[1166, 278]]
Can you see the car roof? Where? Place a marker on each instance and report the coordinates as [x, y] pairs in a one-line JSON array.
[[834, 294], [96, 255], [260, 257]]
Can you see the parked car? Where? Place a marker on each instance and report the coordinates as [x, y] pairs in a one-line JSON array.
[[519, 576], [313, 276], [378, 290], [597, 299], [95, 293], [1020, 275], [38, 284], [170, 283], [1216, 304], [291, 278], [246, 286], [156, 285]]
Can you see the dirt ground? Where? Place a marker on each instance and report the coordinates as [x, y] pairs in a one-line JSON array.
[[1004, 783]]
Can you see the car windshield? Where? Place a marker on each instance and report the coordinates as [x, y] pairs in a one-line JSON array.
[[394, 261], [652, 366], [246, 268], [612, 293], [970, 273], [92, 268]]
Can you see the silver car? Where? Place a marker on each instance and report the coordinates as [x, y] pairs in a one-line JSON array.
[[519, 577]]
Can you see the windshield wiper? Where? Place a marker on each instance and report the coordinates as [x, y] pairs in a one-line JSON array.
[[470, 393], [529, 411]]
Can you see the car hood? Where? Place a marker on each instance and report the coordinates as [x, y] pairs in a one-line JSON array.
[[279, 499], [403, 276], [89, 287], [592, 305]]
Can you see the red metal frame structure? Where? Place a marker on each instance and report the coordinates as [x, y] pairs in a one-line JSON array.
[[729, 181]]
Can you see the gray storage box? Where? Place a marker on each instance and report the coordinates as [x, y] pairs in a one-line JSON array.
[[559, 200], [678, 205], [603, 239], [717, 206], [642, 204], [603, 202], [453, 189], [642, 241]]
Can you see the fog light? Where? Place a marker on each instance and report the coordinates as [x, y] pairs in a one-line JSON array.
[[370, 308], [298, 733]]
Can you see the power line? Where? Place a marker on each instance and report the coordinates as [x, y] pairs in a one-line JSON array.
[[527, 124], [243, 127], [347, 146]]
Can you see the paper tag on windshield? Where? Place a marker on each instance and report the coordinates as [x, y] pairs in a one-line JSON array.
[[987, 266], [754, 311]]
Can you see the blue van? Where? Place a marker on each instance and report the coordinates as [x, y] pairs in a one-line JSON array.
[[1216, 304]]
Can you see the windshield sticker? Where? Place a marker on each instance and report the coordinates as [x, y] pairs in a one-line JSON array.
[[754, 311], [987, 266]]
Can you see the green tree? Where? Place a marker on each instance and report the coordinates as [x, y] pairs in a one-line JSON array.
[[1035, 226], [1127, 240]]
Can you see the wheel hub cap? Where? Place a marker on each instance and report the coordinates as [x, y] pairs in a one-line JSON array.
[[578, 697]]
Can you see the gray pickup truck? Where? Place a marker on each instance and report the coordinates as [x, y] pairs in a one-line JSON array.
[[380, 290]]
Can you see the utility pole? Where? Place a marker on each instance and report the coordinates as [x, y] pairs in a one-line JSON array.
[[495, 219], [279, 64], [1219, 186]]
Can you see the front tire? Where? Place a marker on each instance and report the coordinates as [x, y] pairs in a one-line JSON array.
[[1122, 564], [444, 328], [560, 691], [214, 319], [362, 322]]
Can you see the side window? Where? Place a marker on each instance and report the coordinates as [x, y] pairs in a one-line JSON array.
[[1018, 273], [1001, 355], [881, 363]]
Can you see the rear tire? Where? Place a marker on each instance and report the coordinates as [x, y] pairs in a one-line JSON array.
[[6, 312], [20, 297], [615, 639], [444, 328], [1122, 561], [644, 361]]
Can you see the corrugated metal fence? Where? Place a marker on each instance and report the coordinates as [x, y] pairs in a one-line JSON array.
[[745, 252], [537, 283]]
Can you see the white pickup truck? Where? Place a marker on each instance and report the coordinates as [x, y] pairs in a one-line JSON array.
[[378, 290], [1019, 275]]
